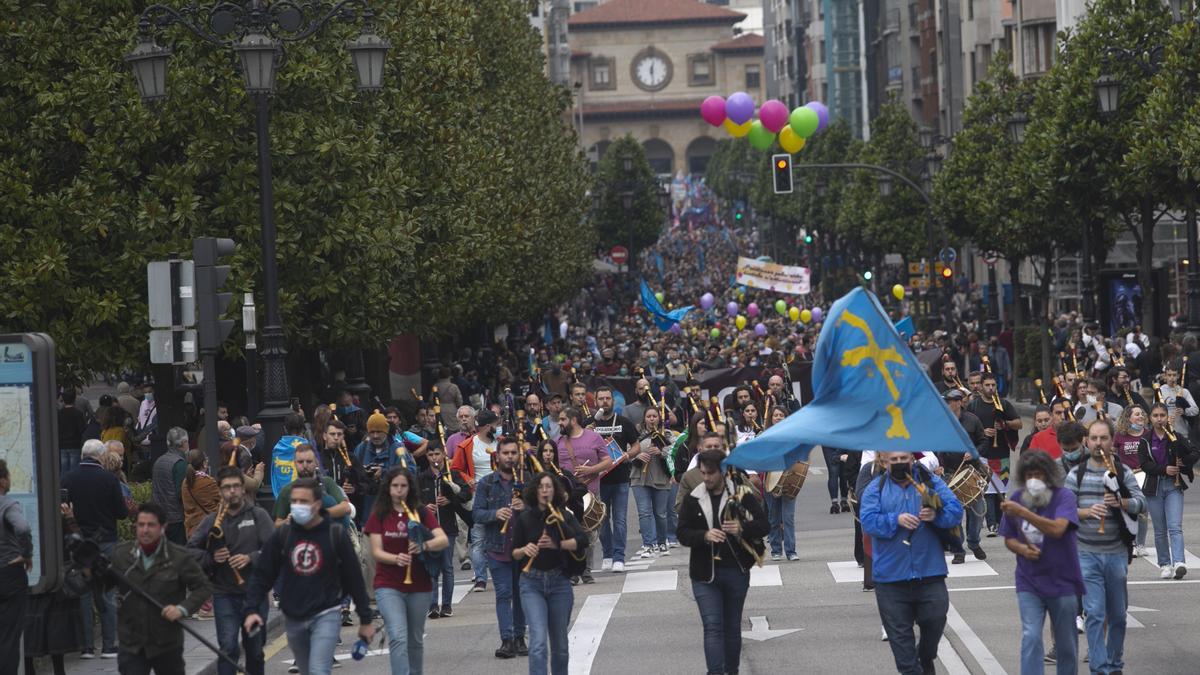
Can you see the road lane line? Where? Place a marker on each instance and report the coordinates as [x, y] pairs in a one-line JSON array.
[[275, 647], [950, 659], [648, 582], [584, 640], [973, 644], [1130, 583]]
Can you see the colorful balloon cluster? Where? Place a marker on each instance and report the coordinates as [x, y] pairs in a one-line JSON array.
[[736, 115]]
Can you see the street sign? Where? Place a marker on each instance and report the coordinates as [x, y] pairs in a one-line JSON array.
[[991, 257], [177, 347], [169, 282], [948, 255], [619, 254]]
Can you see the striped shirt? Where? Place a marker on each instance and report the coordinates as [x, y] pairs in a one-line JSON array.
[[1091, 491]]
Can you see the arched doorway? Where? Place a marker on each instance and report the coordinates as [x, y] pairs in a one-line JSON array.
[[699, 152], [660, 156]]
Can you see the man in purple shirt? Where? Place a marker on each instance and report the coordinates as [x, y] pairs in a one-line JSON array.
[[582, 451], [1039, 526]]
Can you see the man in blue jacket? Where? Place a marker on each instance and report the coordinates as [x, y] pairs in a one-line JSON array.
[[903, 518]]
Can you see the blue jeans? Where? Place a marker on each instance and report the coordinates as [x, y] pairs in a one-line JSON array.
[[1166, 510], [508, 602], [404, 618], [833, 464], [924, 602], [447, 576], [479, 559], [652, 514], [720, 604], [975, 514], [108, 612], [1104, 599], [68, 458], [781, 513], [672, 517], [228, 612], [313, 640], [1033, 609], [547, 598], [614, 530]]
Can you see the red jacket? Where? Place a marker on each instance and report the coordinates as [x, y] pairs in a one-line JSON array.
[[1047, 442], [464, 460]]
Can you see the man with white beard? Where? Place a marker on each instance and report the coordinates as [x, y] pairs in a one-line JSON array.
[[1039, 526]]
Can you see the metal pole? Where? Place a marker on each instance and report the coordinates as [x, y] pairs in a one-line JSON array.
[[993, 320], [1086, 306], [274, 348], [1193, 271]]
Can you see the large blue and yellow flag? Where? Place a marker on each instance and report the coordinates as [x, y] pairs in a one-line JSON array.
[[662, 318], [869, 393]]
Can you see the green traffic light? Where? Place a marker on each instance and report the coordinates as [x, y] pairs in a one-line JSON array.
[[737, 216], [868, 275], [808, 238]]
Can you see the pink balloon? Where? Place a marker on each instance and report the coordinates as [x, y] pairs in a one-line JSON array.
[[713, 110], [774, 115], [752, 309]]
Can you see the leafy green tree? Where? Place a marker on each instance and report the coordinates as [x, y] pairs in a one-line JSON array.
[[405, 211], [639, 225]]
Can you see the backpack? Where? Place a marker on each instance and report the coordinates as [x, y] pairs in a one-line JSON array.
[[950, 538], [1126, 524]]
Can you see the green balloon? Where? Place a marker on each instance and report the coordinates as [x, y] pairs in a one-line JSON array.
[[715, 333], [761, 137], [781, 307], [658, 296], [804, 121]]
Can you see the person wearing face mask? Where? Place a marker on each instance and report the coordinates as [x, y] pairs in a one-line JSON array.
[[634, 411], [311, 555], [1178, 400], [1095, 402], [1131, 436], [608, 364], [1039, 526], [908, 564], [950, 463], [473, 462]]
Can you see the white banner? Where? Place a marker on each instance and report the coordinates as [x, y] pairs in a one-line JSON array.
[[772, 276]]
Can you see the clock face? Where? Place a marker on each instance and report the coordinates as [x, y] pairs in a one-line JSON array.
[[652, 72]]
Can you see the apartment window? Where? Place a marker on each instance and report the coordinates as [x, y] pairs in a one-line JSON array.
[[1038, 47], [603, 71], [821, 55], [580, 6], [973, 80], [820, 9], [824, 91], [700, 70], [753, 77], [970, 10]]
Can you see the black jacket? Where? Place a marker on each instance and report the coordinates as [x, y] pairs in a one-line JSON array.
[[95, 496], [174, 578], [695, 519], [1179, 448], [244, 534], [432, 486]]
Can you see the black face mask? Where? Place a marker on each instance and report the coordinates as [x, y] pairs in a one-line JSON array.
[[900, 472]]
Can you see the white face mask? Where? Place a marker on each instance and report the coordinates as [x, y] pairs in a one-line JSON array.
[[302, 513], [1091, 399], [1036, 486]]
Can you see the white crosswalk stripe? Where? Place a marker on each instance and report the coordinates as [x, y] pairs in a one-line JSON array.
[[765, 576], [849, 571], [1192, 562], [648, 582]]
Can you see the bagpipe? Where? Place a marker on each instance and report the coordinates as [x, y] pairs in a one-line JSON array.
[[419, 534], [735, 509]]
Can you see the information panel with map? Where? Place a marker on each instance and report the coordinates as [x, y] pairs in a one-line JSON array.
[[18, 438]]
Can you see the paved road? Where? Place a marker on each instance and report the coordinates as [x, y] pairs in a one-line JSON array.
[[646, 621]]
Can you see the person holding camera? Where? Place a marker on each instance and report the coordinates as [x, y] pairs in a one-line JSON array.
[[150, 638]]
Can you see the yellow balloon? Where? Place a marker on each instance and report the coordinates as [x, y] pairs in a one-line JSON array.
[[805, 316], [736, 130], [794, 314], [898, 292], [789, 140], [740, 322]]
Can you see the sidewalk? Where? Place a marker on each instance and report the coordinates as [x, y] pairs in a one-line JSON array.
[[198, 659]]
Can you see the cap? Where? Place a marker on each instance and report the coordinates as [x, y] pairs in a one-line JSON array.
[[247, 432], [485, 417], [953, 394]]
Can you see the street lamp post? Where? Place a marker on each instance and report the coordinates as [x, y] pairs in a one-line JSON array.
[[249, 329], [256, 30]]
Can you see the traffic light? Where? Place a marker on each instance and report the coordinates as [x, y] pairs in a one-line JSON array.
[[808, 239], [868, 275], [210, 302], [947, 274], [781, 166], [738, 215]]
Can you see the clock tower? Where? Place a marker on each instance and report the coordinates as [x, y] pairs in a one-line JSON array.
[[643, 67]]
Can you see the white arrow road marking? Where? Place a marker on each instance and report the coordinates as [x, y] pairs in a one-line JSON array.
[[760, 630], [1130, 621], [973, 644], [584, 639]]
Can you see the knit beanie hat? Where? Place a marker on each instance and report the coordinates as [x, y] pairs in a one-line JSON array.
[[377, 422]]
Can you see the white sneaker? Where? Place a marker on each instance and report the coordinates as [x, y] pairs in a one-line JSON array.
[[606, 564], [672, 544], [618, 567], [882, 634], [645, 552], [1166, 572], [663, 550], [1079, 624], [776, 557], [1139, 551], [1180, 570]]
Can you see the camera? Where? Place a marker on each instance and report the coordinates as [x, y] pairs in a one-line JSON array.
[[85, 554]]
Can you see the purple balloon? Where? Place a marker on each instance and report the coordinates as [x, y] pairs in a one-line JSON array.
[[752, 309], [739, 107], [774, 115], [817, 313], [822, 114], [676, 329], [713, 110], [760, 329], [706, 301], [732, 308]]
